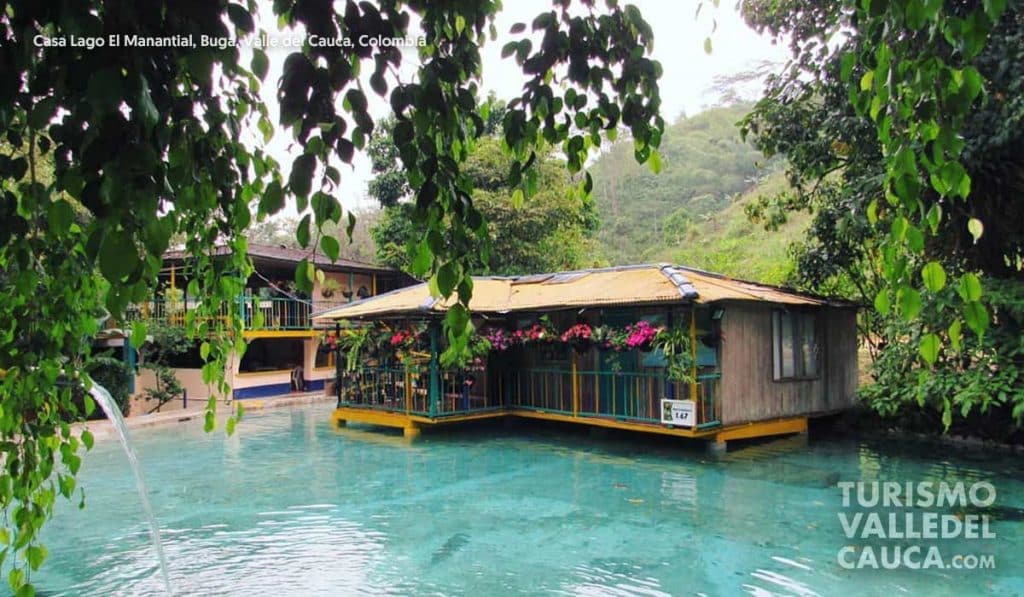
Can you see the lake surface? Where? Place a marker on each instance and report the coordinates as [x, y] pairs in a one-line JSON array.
[[289, 506]]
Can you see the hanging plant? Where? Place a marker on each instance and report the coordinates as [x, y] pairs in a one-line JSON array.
[[501, 340], [329, 287], [579, 337], [678, 350], [541, 332], [407, 345], [353, 340], [640, 335]]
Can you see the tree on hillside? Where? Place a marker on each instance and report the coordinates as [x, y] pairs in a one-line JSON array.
[[864, 239], [704, 165], [551, 230], [149, 140]]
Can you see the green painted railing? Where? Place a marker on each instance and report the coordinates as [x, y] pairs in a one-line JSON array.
[[397, 389], [625, 396], [273, 313]]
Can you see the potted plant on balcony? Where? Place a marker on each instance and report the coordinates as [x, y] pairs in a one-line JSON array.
[[640, 336], [329, 287], [541, 332], [352, 341], [579, 336], [675, 344]]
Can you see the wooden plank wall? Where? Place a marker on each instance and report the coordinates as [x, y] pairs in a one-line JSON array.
[[840, 345], [747, 390]]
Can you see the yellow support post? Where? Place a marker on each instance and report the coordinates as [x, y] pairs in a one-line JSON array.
[[373, 284], [693, 354]]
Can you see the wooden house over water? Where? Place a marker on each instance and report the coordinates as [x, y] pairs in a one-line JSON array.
[[579, 347], [281, 335]]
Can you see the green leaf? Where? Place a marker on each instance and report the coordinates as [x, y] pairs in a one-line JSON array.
[[867, 80], [421, 261], [929, 348], [509, 49], [356, 100], [976, 316], [35, 555], [272, 200], [260, 63], [447, 278], [898, 228], [654, 162], [976, 228], [16, 578], [517, 199], [934, 276], [994, 8], [301, 178], [970, 287], [955, 334], [330, 246], [882, 302], [87, 439], [302, 232], [118, 255], [60, 215], [304, 275], [934, 217], [915, 240], [947, 414], [229, 426], [909, 301], [138, 335], [241, 18]]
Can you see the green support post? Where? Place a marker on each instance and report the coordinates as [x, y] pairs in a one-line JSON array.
[[435, 369]]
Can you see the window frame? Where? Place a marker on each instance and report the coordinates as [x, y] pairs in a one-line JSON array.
[[797, 319]]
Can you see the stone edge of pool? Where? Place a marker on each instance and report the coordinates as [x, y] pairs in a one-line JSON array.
[[102, 428]]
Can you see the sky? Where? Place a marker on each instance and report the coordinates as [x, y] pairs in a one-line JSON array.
[[686, 85]]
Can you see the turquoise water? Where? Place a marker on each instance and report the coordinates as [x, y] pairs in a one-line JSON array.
[[288, 506]]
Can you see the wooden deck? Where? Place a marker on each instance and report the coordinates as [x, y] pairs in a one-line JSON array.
[[717, 436]]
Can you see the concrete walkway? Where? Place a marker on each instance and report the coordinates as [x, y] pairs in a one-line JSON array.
[[104, 429]]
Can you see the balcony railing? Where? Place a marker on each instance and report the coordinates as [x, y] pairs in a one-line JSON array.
[[408, 391], [625, 396], [258, 313], [632, 397]]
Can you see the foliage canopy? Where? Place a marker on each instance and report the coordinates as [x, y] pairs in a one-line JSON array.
[[150, 141]]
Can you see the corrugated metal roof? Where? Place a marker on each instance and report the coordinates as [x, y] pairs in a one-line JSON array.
[[615, 286], [291, 256]]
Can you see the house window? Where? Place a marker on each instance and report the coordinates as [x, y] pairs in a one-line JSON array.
[[324, 359], [794, 345]]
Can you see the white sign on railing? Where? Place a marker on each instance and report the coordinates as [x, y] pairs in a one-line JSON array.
[[681, 413]]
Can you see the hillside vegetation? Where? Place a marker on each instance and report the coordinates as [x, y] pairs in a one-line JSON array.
[[692, 213]]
